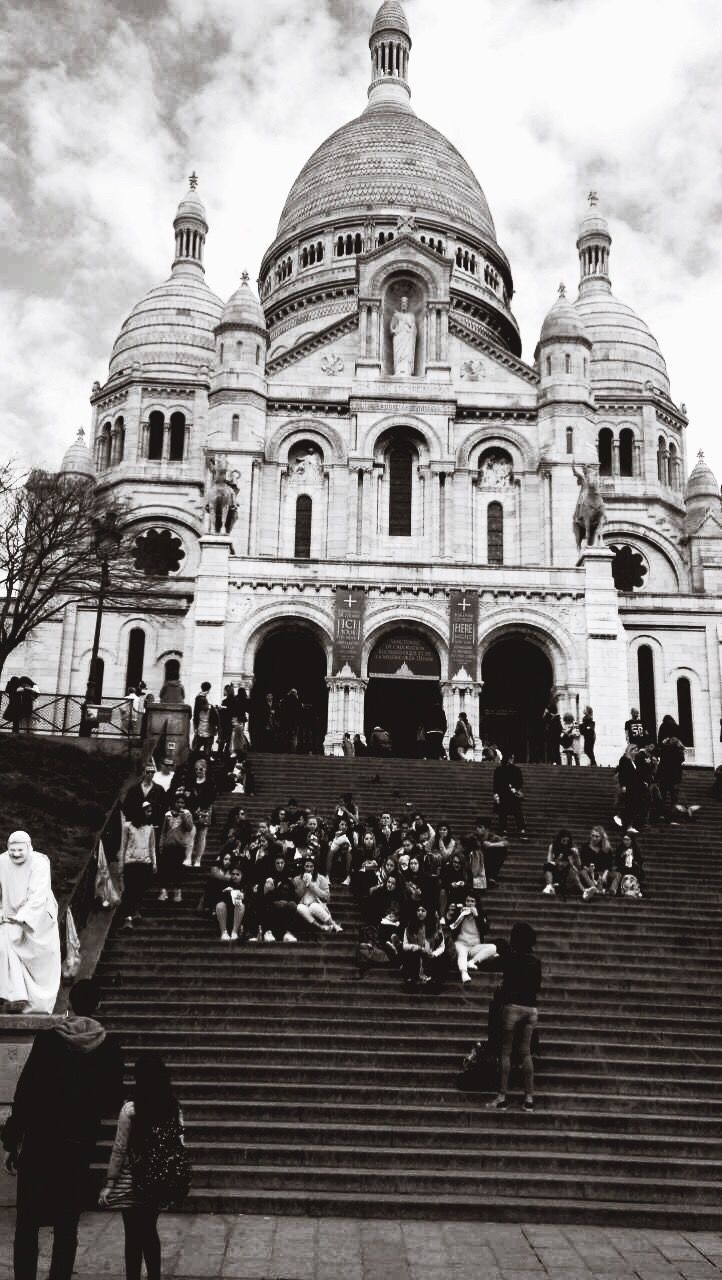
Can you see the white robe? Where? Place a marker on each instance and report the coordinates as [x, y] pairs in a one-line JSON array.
[[30, 950]]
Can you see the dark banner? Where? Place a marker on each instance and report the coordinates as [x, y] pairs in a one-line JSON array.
[[463, 614], [348, 630]]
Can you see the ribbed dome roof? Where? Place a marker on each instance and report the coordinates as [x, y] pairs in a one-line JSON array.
[[390, 17], [625, 355], [191, 206], [563, 322], [243, 307], [702, 483], [78, 460], [386, 159], [171, 327]]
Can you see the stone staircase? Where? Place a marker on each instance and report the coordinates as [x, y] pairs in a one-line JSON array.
[[308, 1091]]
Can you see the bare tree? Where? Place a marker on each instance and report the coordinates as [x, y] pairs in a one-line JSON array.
[[58, 535]]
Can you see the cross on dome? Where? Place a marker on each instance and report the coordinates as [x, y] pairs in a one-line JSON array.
[[245, 278], [193, 180], [562, 290], [593, 198]]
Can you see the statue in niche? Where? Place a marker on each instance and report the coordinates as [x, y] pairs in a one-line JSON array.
[[403, 333], [589, 513], [221, 509], [496, 470], [307, 465]]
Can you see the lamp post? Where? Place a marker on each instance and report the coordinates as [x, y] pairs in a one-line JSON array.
[[106, 541]]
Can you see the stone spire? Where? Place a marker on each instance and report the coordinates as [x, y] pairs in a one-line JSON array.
[[191, 228], [390, 45]]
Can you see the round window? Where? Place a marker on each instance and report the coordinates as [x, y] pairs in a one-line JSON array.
[[158, 552], [629, 568]]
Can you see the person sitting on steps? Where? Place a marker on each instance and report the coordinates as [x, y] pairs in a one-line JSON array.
[[467, 924]]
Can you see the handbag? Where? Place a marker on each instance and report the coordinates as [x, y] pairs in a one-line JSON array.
[[71, 963], [105, 889]]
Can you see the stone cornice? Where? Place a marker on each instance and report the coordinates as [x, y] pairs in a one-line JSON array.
[[480, 336], [282, 407], [475, 413], [665, 410], [253, 398], [312, 343], [106, 396]]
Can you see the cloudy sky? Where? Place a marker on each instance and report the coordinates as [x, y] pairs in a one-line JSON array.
[[109, 104]]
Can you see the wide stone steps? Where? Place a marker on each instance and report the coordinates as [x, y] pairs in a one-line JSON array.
[[307, 1090]]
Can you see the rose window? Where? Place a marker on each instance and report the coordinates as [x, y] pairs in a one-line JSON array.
[[629, 568], [158, 552]]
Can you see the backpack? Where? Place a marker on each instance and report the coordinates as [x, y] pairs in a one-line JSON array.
[[161, 1170]]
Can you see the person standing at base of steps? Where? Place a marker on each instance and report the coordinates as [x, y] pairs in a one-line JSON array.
[[520, 987], [508, 794], [73, 1076]]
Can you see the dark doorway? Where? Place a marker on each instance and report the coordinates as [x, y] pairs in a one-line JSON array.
[[647, 698], [291, 659], [402, 707], [517, 678]]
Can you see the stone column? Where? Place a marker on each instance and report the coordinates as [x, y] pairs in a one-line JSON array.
[[143, 440], [637, 458], [206, 623], [345, 711], [166, 441], [607, 676], [615, 458]]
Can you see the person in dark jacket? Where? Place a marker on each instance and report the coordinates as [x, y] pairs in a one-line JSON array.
[[290, 718], [632, 791], [277, 904], [142, 792], [552, 733], [589, 734], [436, 726], [508, 794], [521, 983], [72, 1078]]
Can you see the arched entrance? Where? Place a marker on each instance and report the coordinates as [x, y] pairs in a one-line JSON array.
[[404, 671], [291, 658], [517, 681]]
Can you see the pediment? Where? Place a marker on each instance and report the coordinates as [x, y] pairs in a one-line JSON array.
[[710, 526], [478, 360], [404, 253]]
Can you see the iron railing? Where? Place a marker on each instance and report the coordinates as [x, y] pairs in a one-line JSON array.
[[63, 714]]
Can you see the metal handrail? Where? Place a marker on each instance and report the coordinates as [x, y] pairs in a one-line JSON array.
[[63, 714]]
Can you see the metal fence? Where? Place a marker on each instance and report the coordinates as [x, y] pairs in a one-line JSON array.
[[62, 714]]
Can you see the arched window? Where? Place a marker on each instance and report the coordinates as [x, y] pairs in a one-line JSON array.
[[119, 433], [156, 425], [647, 700], [604, 449], [220, 353], [567, 363], [459, 257], [339, 247], [662, 460], [304, 258], [258, 353], [177, 437], [304, 518], [104, 447], [570, 439], [382, 238], [495, 533], [358, 243], [171, 670], [675, 471], [349, 244], [235, 426], [136, 653], [549, 366], [400, 463], [97, 676], [684, 711], [626, 452], [319, 251]]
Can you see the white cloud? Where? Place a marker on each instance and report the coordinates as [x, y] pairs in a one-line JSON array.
[[109, 104]]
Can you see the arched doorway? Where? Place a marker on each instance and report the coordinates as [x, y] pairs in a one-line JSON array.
[[404, 671], [291, 658], [517, 681]]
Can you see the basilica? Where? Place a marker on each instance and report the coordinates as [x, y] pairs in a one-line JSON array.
[[356, 486]]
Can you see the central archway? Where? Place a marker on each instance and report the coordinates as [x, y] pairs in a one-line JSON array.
[[404, 673], [517, 682], [290, 658]]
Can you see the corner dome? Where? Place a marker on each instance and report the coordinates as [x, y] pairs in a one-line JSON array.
[[171, 328], [388, 160], [390, 17], [563, 323], [625, 354], [78, 460], [243, 309], [702, 484]]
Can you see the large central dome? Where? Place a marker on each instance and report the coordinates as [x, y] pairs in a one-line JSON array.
[[386, 159]]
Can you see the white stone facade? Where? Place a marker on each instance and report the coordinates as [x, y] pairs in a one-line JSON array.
[[295, 401]]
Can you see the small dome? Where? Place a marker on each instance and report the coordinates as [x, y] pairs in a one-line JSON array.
[[191, 206], [171, 327], [390, 17], [702, 484], [625, 354], [563, 323], [243, 308], [78, 460]]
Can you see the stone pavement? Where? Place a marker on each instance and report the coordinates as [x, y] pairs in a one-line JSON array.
[[257, 1248]]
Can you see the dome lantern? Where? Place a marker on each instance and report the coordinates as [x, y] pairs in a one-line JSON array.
[[593, 244], [77, 461], [702, 487], [191, 228], [390, 45]]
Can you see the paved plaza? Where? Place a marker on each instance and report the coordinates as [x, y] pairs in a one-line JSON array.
[[258, 1248]]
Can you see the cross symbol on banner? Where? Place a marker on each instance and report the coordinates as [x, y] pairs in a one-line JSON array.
[[348, 601], [464, 605]]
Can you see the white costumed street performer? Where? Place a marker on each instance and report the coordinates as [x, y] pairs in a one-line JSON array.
[[29, 937]]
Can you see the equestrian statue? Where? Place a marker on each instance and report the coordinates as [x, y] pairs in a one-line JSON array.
[[589, 513]]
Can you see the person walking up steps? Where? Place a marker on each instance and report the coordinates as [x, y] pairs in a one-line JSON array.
[[508, 794], [520, 988]]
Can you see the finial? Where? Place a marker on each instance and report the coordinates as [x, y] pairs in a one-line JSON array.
[[193, 179], [700, 453], [245, 277], [593, 198], [562, 290], [81, 435]]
